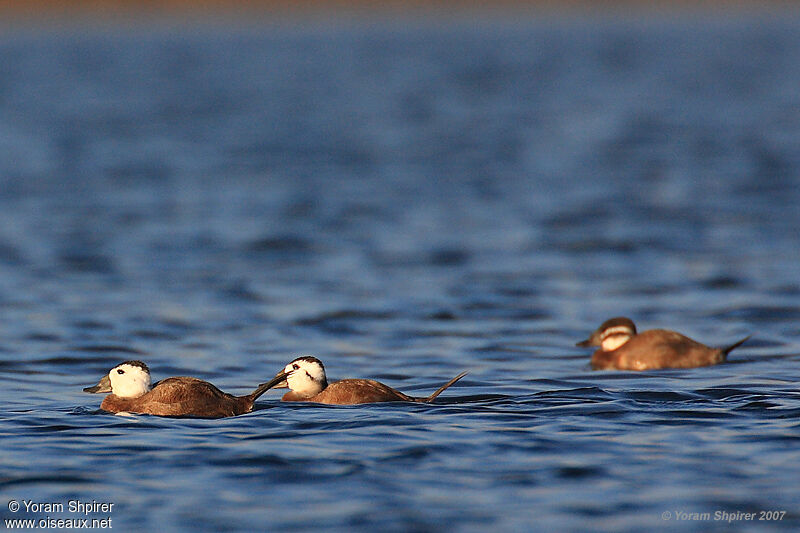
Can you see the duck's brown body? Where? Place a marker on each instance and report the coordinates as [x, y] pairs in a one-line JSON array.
[[658, 348], [182, 396], [306, 379], [354, 391], [621, 348], [129, 386]]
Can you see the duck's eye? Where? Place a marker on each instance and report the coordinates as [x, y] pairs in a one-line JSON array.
[[295, 366], [120, 371]]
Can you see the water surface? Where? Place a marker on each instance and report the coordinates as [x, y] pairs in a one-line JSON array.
[[404, 200]]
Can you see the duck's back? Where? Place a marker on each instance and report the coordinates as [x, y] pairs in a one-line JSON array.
[[657, 348], [353, 391]]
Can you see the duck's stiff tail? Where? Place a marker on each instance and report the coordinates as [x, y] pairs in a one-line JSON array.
[[728, 349], [441, 389]]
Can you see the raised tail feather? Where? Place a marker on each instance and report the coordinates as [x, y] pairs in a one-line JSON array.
[[728, 349], [441, 389]]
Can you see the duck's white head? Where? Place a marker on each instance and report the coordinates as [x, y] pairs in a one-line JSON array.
[[305, 376], [130, 379], [612, 334]]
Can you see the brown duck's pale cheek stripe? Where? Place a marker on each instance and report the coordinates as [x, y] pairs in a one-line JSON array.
[[611, 343], [616, 330]]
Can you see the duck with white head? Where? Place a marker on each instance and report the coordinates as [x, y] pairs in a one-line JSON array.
[[130, 391], [306, 380]]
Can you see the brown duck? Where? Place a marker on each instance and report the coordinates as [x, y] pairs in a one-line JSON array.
[[305, 377], [621, 348], [129, 385]]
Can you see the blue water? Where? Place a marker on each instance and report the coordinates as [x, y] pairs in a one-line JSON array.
[[404, 200]]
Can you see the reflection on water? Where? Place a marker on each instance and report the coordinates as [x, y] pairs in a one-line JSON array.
[[403, 201]]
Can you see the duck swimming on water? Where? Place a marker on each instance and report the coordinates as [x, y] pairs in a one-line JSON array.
[[305, 377], [621, 348], [129, 385]]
